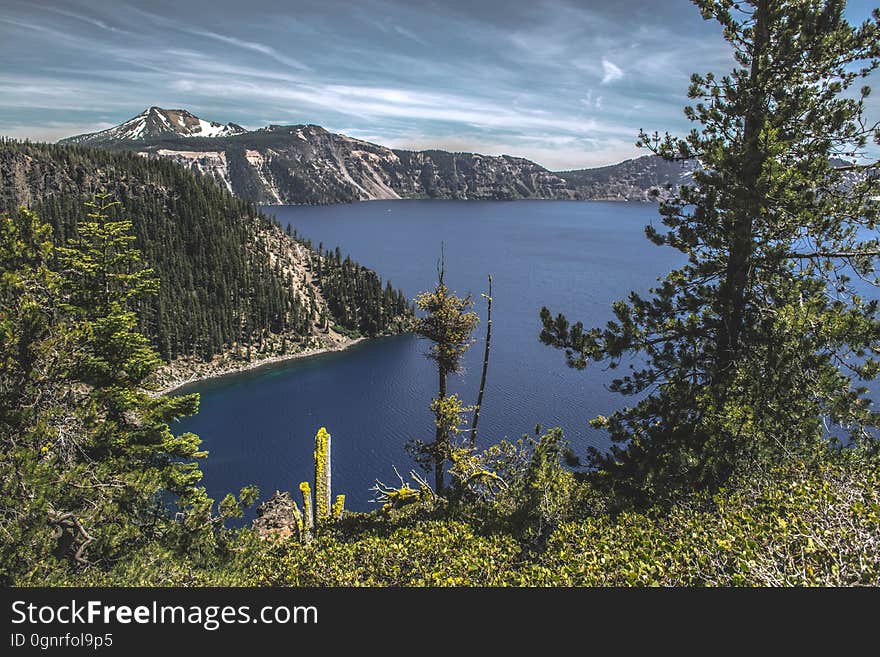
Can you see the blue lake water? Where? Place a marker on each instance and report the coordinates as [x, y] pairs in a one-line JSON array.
[[576, 258]]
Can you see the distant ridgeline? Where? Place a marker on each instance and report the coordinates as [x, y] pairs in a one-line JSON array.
[[306, 164], [229, 274]]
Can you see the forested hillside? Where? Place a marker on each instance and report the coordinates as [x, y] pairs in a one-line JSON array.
[[230, 275]]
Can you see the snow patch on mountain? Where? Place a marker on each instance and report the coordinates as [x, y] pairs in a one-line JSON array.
[[158, 123]]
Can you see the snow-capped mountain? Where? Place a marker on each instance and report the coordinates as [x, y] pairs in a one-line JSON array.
[[293, 164], [308, 164], [157, 123]]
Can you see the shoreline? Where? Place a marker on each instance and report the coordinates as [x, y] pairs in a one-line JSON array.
[[645, 201], [239, 367]]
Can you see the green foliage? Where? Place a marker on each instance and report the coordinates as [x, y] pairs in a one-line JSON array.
[[32, 418], [449, 422], [740, 352], [89, 459], [811, 522], [448, 323], [230, 507], [356, 298], [800, 525], [439, 553], [546, 488], [523, 488]]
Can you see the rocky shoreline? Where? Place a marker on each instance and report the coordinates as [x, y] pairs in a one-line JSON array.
[[183, 372]]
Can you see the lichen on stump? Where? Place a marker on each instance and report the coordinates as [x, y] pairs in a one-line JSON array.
[[322, 476]]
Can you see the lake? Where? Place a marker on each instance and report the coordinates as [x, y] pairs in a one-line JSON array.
[[574, 257]]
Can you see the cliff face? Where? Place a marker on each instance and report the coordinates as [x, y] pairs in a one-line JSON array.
[[306, 164], [27, 178], [647, 178], [440, 174]]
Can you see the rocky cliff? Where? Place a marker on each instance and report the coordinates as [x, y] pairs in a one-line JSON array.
[[647, 178], [310, 165], [306, 164]]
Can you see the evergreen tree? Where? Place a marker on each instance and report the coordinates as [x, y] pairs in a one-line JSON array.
[[355, 298], [744, 350], [125, 457], [448, 324], [33, 419]]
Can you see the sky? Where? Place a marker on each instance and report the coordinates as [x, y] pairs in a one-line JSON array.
[[567, 84]]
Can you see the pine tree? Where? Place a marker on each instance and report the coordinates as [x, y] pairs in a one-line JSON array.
[[745, 350], [33, 360], [448, 324], [127, 457]]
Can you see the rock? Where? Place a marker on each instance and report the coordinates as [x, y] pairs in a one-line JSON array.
[[275, 517]]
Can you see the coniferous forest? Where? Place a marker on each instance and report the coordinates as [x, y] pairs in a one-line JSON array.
[[229, 275], [744, 450]]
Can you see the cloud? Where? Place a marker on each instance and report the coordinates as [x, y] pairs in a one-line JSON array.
[[563, 83], [380, 103], [86, 19], [253, 46], [51, 131], [409, 34], [610, 72]]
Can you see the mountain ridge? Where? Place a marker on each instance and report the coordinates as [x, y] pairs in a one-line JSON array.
[[307, 164]]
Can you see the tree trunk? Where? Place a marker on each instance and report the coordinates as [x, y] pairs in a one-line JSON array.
[[485, 367], [441, 440], [736, 282]]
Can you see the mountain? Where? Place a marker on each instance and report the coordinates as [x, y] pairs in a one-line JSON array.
[[308, 164], [651, 178], [232, 281], [644, 178], [157, 123]]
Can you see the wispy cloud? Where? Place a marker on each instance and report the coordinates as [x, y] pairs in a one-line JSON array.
[[253, 46], [409, 34], [610, 71], [85, 19], [378, 102]]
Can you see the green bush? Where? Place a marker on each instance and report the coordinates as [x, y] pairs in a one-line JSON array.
[[811, 522], [803, 524], [434, 553]]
